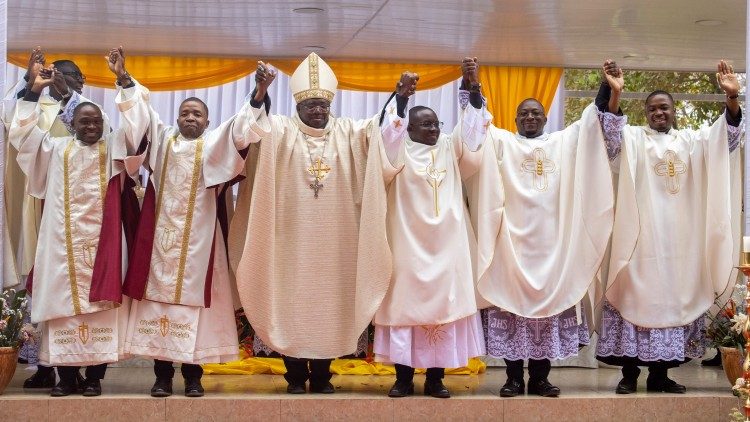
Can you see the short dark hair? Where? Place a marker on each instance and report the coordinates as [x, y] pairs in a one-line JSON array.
[[416, 109], [61, 63], [197, 100], [85, 104], [660, 92], [534, 100]]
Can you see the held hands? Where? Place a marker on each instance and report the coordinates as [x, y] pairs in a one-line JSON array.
[[407, 85], [470, 71], [727, 79], [614, 76], [41, 77], [263, 77], [116, 63], [37, 56]]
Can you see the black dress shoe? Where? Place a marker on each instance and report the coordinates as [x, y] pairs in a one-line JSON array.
[[40, 380], [543, 388], [627, 386], [436, 389], [162, 387], [326, 388], [401, 389], [62, 389], [92, 388], [193, 387], [665, 386], [512, 387], [296, 388], [80, 383]]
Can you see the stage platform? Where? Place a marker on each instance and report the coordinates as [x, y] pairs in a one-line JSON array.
[[587, 395]]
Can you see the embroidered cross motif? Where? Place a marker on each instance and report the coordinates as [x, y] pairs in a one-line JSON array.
[[539, 166], [397, 124], [434, 179], [316, 186], [669, 168]]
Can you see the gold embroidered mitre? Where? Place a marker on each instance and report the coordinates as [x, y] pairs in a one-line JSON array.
[[313, 78]]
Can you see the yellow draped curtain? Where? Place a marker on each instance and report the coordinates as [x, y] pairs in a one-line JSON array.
[[505, 87]]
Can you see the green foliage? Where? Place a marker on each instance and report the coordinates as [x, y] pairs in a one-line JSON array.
[[690, 114]]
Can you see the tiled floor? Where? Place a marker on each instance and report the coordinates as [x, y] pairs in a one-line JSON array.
[[587, 395]]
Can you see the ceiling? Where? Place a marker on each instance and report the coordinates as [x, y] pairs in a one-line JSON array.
[[643, 34]]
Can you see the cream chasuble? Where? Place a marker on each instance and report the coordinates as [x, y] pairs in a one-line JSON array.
[[672, 247], [313, 271], [543, 212], [72, 178], [171, 322]]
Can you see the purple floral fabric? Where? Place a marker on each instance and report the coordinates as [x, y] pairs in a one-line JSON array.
[[618, 337], [514, 337]]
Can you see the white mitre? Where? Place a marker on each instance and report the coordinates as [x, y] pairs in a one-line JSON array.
[[313, 78]]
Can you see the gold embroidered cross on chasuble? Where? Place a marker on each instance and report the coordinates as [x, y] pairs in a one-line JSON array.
[[539, 166], [669, 168]]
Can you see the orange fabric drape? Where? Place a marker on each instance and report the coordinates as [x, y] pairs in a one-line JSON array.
[[505, 87], [158, 73], [381, 77]]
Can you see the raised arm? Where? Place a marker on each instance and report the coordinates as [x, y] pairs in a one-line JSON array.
[[393, 119], [608, 102], [474, 120], [35, 148], [731, 86]]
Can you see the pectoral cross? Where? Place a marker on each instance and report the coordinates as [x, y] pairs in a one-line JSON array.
[[316, 186], [318, 170], [669, 168], [434, 179], [539, 166]]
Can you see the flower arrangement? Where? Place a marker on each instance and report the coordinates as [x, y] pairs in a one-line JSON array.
[[12, 307], [727, 327]]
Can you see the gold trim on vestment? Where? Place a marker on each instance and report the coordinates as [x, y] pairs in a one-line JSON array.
[[313, 71], [197, 165], [68, 234], [68, 230], [313, 93], [102, 171]]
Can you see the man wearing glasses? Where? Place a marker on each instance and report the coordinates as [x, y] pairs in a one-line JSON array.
[[429, 317]]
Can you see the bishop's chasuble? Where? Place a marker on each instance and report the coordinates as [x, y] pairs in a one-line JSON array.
[[543, 211], [672, 247], [179, 274], [315, 262], [80, 262]]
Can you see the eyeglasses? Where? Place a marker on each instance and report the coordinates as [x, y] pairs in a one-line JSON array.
[[428, 125], [76, 75], [318, 107]]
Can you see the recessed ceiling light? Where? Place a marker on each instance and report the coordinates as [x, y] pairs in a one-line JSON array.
[[710, 22], [313, 48], [308, 10], [635, 56]]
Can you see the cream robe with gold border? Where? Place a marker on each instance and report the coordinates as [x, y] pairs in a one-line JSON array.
[[171, 323], [72, 178], [672, 247]]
